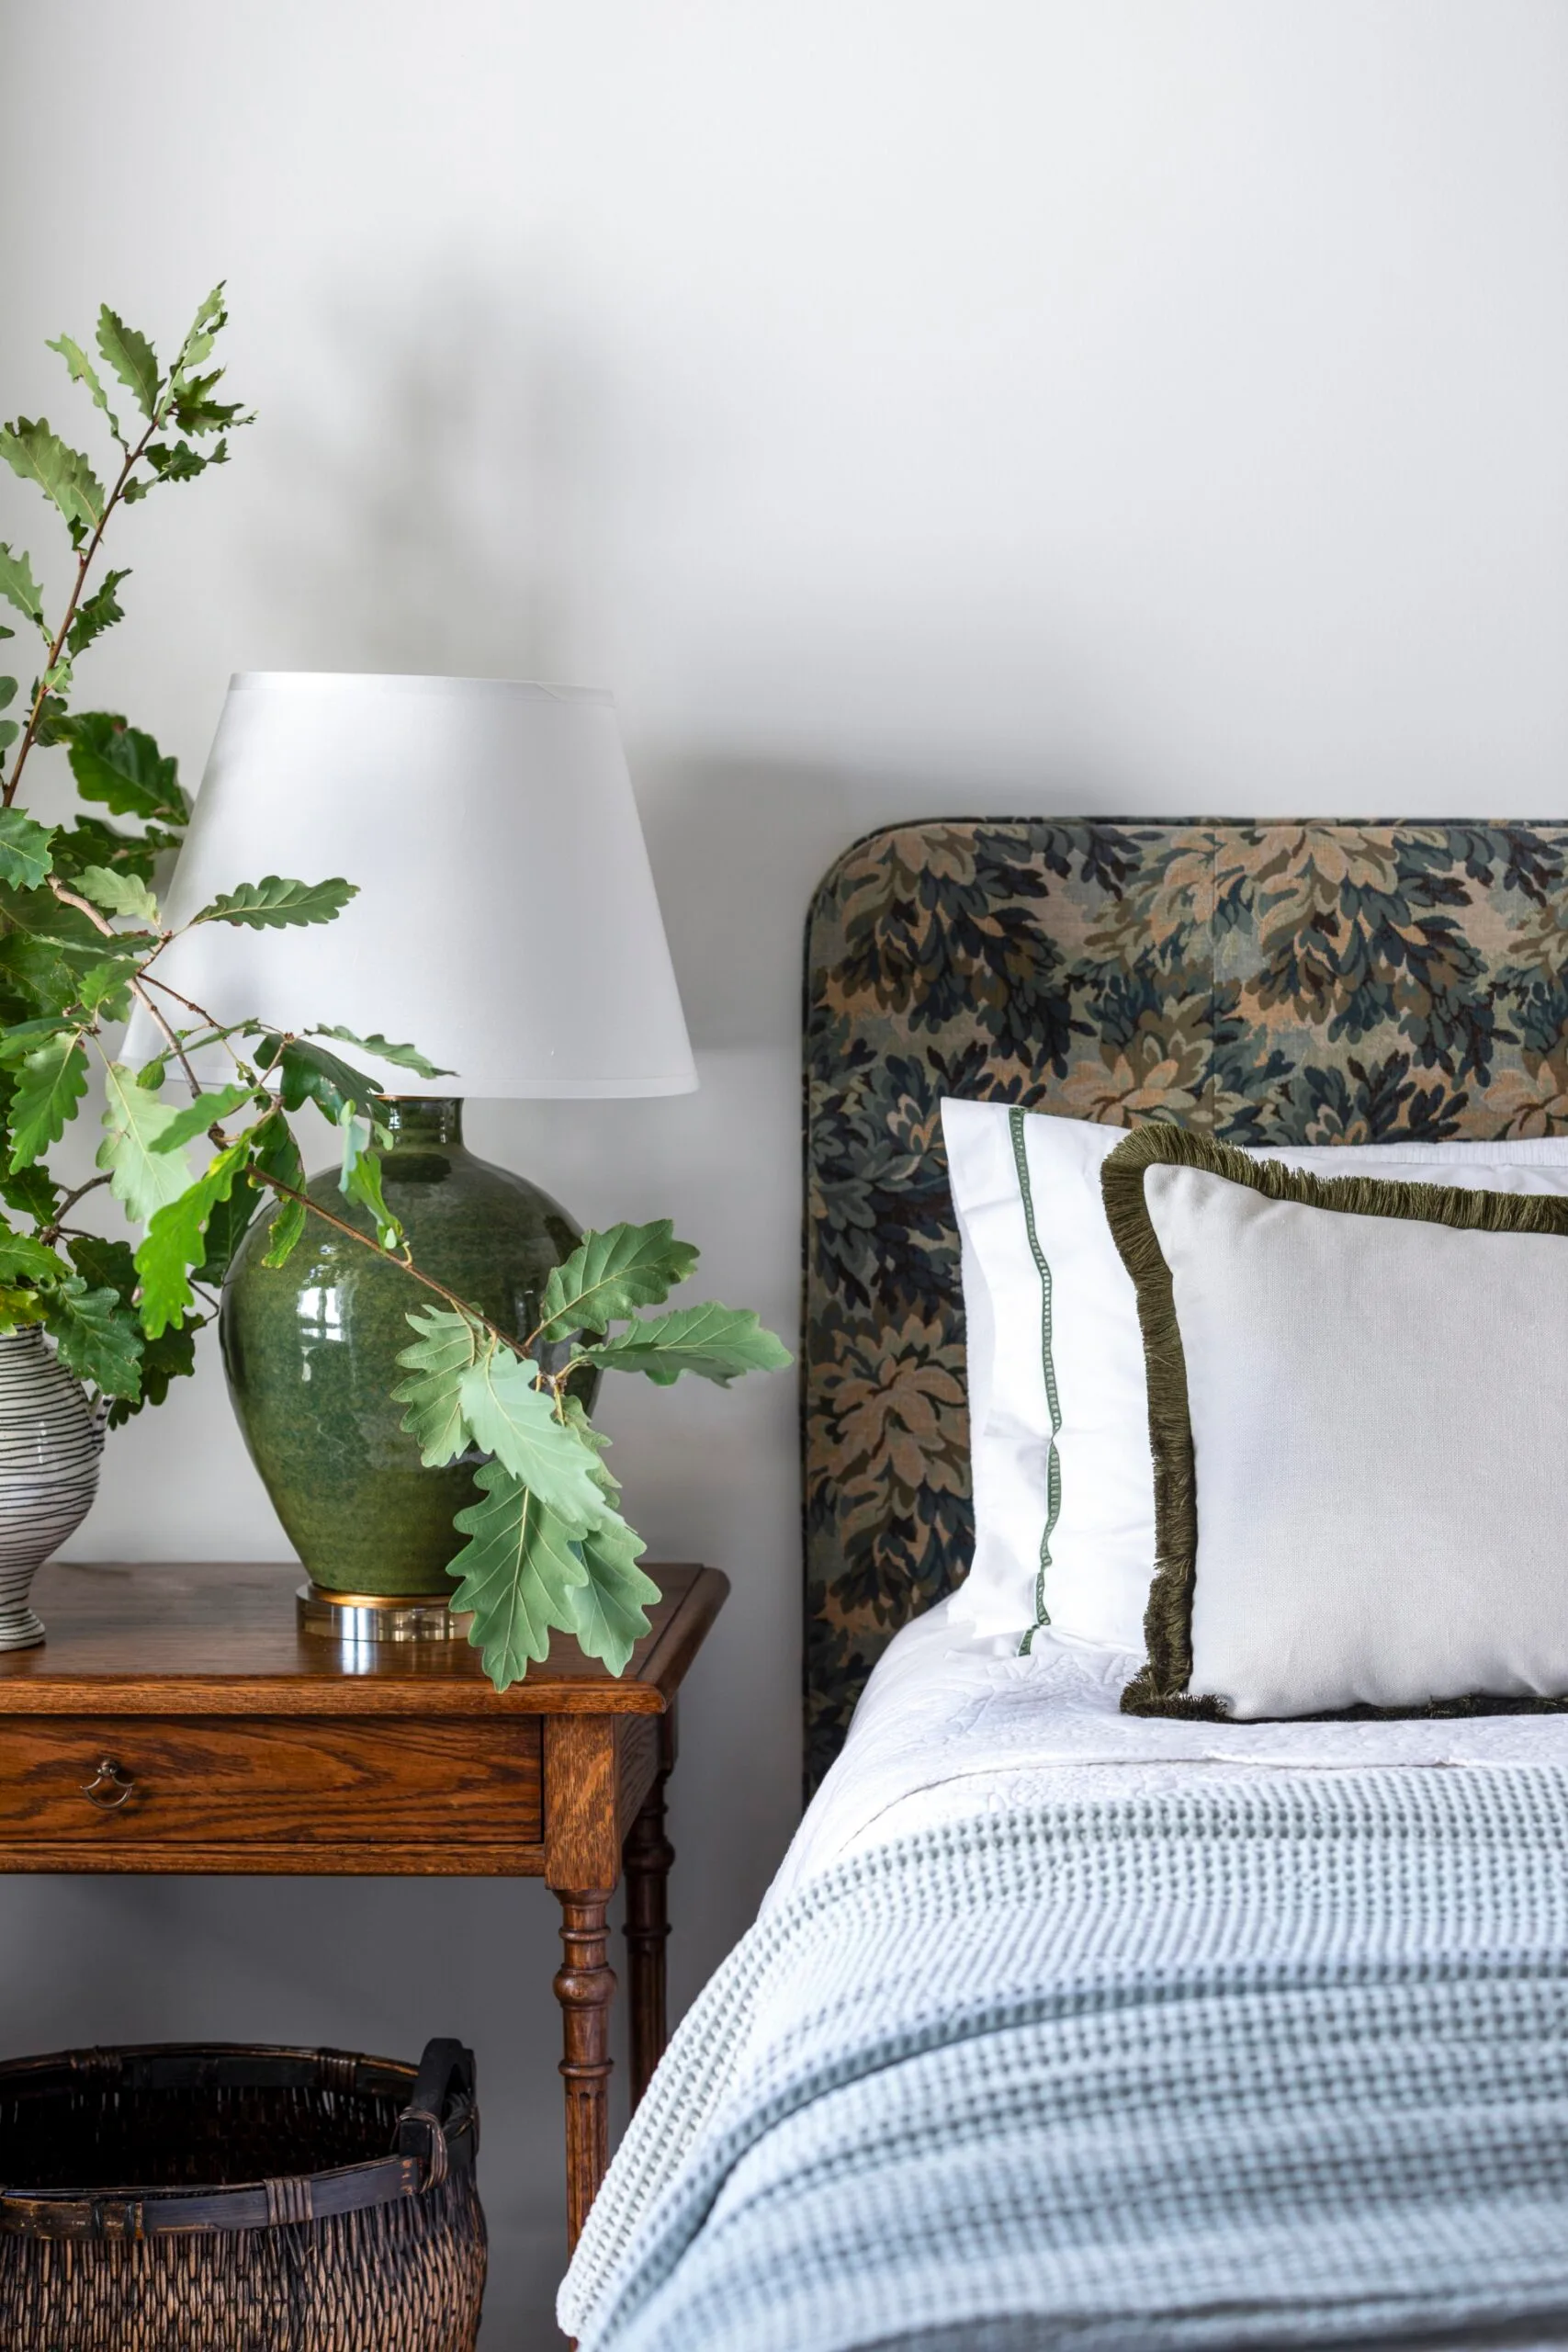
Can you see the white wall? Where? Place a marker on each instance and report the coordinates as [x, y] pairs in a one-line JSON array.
[[1032, 404]]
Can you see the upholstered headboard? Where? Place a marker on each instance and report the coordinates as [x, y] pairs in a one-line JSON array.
[[1275, 983]]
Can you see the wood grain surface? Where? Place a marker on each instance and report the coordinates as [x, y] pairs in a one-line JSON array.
[[646, 1857], [266, 1781], [219, 1638]]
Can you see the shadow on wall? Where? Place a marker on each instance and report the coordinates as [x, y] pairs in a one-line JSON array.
[[740, 844], [434, 514], [475, 520]]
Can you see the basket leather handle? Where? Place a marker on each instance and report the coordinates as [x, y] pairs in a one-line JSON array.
[[441, 2102], [446, 2069]]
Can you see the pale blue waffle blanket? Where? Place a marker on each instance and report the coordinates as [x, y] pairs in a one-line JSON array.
[[1281, 2064]]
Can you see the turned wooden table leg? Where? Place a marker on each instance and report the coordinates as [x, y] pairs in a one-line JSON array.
[[647, 1857], [585, 1986], [582, 1862]]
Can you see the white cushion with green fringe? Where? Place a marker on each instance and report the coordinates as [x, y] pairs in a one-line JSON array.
[[1359, 1409]]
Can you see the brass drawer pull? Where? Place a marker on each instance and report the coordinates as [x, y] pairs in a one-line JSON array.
[[108, 1777]]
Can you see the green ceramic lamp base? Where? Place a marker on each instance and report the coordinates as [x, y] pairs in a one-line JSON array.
[[311, 1349]]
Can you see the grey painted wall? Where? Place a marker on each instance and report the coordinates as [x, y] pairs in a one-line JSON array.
[[1151, 405]]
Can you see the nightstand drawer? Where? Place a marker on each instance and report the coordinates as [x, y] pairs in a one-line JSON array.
[[220, 1782]]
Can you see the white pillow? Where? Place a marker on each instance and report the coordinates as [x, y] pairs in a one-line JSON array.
[[1064, 1514], [1376, 1407]]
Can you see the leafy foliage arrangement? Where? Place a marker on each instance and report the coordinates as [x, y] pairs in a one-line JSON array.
[[81, 934]]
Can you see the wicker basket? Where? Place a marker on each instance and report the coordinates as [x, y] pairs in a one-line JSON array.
[[284, 2201]]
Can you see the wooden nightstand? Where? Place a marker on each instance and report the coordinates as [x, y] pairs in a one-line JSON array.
[[176, 1720]]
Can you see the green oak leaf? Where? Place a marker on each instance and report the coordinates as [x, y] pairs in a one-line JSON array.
[[49, 1085], [715, 1342], [178, 461], [194, 410], [42, 973], [515, 1572], [23, 1260], [204, 1111], [63, 474], [226, 1227], [608, 1612], [83, 372], [277, 1154], [20, 1038], [575, 1413], [21, 589], [105, 988], [52, 719], [46, 948], [119, 893], [122, 767], [360, 1179], [405, 1056], [508, 1417], [610, 1274], [310, 1074], [32, 1190], [133, 359], [37, 914], [175, 1240], [102, 1264], [142, 1179], [171, 1356], [447, 1346], [19, 1306], [210, 319], [89, 842], [273, 901], [98, 1340], [111, 1265], [25, 849], [96, 613]]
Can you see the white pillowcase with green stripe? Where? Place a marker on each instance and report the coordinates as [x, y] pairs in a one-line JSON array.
[[1058, 1403]]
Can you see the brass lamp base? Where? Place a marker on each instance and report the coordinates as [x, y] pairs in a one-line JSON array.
[[356, 1617]]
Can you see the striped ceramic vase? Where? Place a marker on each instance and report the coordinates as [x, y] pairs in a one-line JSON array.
[[50, 1443]]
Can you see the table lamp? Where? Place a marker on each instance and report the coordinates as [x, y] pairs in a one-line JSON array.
[[507, 925]]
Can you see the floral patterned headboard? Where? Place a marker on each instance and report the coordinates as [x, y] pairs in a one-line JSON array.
[[1272, 982]]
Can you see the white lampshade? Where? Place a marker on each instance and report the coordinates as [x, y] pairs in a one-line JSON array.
[[506, 922]]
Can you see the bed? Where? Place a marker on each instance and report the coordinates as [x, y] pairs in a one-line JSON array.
[[1062, 2027]]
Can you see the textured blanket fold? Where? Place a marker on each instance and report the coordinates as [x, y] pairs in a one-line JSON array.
[[1284, 2066]]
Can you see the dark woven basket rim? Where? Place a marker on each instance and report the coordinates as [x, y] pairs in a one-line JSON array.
[[437, 2133]]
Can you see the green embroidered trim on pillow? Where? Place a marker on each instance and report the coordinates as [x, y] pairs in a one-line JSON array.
[[1160, 1687], [1048, 1370]]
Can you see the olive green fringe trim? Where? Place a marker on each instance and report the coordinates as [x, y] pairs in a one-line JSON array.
[[1160, 1686]]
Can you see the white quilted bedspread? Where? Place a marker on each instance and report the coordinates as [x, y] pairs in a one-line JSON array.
[[953, 1727]]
